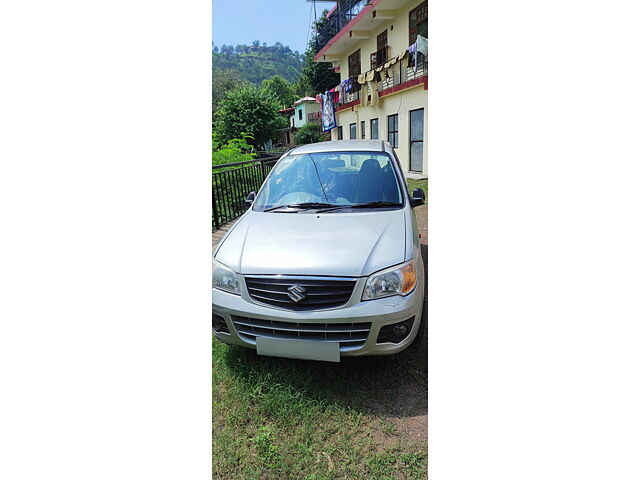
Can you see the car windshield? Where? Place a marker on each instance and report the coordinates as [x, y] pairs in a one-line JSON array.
[[330, 179]]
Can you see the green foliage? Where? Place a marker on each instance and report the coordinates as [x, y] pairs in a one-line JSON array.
[[256, 62], [247, 110], [233, 150], [280, 90], [223, 81], [316, 77], [309, 133]]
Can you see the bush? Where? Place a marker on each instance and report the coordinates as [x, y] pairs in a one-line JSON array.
[[234, 150], [310, 133]]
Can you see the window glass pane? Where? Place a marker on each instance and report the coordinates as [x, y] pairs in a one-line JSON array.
[[415, 156], [417, 124], [352, 131], [374, 128], [339, 133], [362, 132]]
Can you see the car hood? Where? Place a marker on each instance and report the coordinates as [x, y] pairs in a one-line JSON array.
[[341, 244]]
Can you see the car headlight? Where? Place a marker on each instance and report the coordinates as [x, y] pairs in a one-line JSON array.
[[398, 280], [225, 279]]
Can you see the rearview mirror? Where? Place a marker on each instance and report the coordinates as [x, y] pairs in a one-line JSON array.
[[418, 197], [250, 198]]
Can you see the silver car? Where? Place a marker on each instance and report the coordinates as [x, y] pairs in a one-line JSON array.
[[326, 262]]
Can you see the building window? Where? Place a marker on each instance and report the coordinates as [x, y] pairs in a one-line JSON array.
[[392, 129], [300, 114], [354, 63], [352, 131], [418, 22], [416, 139], [374, 129], [380, 56], [340, 133], [362, 129]]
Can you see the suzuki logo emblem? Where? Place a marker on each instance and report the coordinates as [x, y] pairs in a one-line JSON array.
[[297, 292]]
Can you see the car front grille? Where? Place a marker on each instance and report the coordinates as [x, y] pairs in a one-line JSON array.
[[317, 293], [351, 336]]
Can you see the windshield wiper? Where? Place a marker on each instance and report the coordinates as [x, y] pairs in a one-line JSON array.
[[378, 204], [301, 206]]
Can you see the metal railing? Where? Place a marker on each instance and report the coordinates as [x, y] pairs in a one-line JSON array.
[[401, 73], [232, 182], [404, 73], [345, 12]]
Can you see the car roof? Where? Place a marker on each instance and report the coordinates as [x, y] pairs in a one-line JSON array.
[[343, 146]]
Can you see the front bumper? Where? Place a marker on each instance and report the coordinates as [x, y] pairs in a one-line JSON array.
[[379, 313]]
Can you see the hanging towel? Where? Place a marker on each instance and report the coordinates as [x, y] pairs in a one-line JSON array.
[[369, 75], [375, 97], [413, 52], [421, 47], [361, 79], [328, 112]]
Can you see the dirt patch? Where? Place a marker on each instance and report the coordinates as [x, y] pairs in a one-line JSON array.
[[412, 428]]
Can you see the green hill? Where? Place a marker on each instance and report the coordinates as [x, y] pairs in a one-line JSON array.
[[257, 62]]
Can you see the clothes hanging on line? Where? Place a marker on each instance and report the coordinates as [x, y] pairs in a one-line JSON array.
[[421, 44], [375, 96], [413, 57], [328, 112]]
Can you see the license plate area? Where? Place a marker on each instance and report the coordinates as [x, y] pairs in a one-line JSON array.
[[299, 349]]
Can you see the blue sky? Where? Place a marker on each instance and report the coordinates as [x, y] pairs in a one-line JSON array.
[[243, 21]]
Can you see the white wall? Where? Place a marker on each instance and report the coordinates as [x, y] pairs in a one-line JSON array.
[[398, 103]]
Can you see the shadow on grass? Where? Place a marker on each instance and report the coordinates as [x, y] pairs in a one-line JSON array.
[[385, 385]]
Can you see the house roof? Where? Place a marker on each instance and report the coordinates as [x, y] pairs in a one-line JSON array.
[[304, 99]]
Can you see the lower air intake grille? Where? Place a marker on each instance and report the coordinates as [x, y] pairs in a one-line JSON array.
[[351, 336]]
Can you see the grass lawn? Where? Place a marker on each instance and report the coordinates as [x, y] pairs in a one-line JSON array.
[[364, 418]]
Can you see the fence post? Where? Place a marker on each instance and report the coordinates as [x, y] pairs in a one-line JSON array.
[[264, 174], [216, 220]]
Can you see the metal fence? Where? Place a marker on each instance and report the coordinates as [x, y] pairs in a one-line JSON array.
[[232, 182]]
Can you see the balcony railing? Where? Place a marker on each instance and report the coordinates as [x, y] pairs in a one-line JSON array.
[[345, 11], [401, 73], [404, 73], [314, 117]]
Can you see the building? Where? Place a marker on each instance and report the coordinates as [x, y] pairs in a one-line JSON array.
[[287, 134], [367, 41], [306, 111]]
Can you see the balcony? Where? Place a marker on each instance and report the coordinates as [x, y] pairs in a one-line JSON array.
[[404, 74], [401, 76], [314, 117], [345, 12]]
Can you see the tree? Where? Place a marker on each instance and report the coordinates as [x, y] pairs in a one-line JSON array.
[[247, 110], [280, 90], [316, 77], [223, 81], [309, 133]]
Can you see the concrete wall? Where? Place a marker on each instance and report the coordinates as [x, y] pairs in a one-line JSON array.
[[305, 108]]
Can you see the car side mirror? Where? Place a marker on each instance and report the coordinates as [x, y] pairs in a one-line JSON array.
[[417, 198], [250, 198]]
